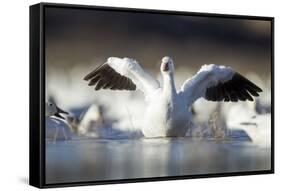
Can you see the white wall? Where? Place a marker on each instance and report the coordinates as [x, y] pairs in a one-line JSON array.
[[14, 38]]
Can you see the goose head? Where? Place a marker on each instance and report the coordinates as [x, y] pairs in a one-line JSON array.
[[53, 110], [167, 65]]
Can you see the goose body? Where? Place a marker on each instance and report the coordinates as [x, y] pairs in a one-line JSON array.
[[167, 110], [166, 115]]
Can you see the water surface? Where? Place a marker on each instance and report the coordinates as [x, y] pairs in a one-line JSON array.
[[104, 159]]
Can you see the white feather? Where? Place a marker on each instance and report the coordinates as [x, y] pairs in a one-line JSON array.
[[131, 69], [207, 76]]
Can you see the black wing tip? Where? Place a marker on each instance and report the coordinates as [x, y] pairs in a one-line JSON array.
[[105, 77], [238, 88], [89, 76], [94, 72], [259, 89], [248, 82], [86, 78]]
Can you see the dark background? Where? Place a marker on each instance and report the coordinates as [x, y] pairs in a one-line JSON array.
[[85, 38]]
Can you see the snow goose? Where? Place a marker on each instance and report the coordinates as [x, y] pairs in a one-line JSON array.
[[167, 110], [55, 122], [257, 126], [95, 123], [90, 121]]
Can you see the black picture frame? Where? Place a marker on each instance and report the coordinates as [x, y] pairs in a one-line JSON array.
[[37, 95]]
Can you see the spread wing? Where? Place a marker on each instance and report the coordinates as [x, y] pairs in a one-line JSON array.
[[218, 83], [121, 74]]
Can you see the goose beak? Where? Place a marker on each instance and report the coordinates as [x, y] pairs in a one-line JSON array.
[[59, 116], [59, 111]]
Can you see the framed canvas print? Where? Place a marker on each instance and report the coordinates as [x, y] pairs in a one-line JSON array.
[[126, 95]]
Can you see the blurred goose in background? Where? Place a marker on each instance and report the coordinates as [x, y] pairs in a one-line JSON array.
[[55, 122], [261, 108], [89, 122], [93, 123], [256, 124], [167, 110]]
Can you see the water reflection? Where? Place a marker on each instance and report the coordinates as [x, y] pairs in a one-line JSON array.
[[101, 159]]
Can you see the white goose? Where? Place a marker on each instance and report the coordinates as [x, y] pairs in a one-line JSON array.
[[91, 121], [55, 121], [167, 112]]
